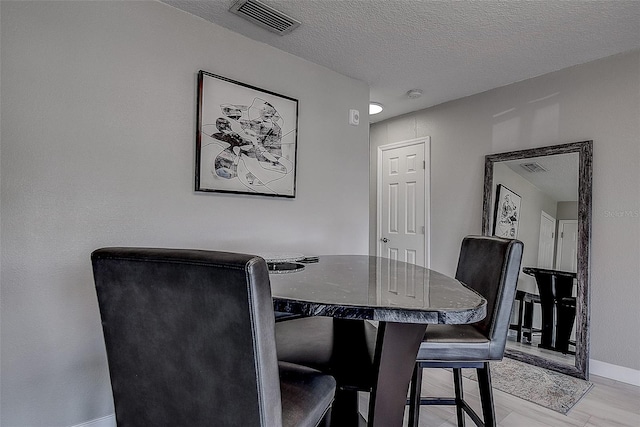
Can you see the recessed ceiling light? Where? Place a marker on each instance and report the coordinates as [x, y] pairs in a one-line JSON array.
[[375, 108]]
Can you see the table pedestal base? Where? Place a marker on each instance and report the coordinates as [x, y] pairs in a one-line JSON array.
[[396, 349], [396, 358]]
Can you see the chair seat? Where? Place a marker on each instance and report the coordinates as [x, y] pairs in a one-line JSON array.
[[306, 395], [454, 343]]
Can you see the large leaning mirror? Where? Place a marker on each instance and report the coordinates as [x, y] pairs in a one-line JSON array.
[[542, 197]]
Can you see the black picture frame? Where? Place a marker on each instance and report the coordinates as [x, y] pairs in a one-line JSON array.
[[246, 139], [506, 213]]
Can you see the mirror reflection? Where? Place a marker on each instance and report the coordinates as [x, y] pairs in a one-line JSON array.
[[536, 201], [542, 197]]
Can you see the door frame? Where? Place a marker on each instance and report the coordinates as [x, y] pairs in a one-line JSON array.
[[554, 236], [425, 141]]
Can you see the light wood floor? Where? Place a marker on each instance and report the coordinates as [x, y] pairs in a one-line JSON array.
[[608, 404]]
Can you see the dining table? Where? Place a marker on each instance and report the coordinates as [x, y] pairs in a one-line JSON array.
[[359, 291]]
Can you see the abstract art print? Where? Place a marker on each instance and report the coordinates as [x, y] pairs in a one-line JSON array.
[[246, 140], [507, 214]]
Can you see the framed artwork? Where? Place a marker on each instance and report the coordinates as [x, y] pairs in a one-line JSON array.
[[246, 140], [507, 213]]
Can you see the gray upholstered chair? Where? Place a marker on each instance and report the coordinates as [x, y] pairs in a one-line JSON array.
[[490, 266], [190, 342]]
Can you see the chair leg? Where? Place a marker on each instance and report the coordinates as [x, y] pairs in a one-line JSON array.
[[528, 321], [457, 383], [414, 396], [520, 313], [345, 408], [326, 420], [486, 395]]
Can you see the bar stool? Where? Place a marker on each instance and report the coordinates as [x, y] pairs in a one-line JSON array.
[[526, 301], [490, 266], [190, 341]]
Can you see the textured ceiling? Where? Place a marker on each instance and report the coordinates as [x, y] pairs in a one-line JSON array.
[[449, 49]]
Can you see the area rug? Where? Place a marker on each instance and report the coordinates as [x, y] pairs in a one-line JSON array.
[[546, 388]]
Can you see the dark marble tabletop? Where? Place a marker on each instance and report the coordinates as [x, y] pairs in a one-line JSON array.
[[372, 288], [532, 271]]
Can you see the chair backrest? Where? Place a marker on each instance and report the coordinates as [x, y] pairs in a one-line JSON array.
[[189, 336], [490, 266]]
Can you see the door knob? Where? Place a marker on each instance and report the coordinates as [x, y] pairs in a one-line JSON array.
[[384, 240]]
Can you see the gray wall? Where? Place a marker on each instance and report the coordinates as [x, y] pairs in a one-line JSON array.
[[599, 101], [98, 115], [567, 210], [533, 202]]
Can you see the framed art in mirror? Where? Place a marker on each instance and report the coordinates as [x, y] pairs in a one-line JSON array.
[[552, 188], [246, 139], [507, 213]]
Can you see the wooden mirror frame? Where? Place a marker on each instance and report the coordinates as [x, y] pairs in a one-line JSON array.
[[585, 157]]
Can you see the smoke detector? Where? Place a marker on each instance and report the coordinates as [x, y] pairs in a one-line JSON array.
[[265, 16], [414, 93]]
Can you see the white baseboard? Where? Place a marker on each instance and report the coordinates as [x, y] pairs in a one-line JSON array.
[[614, 372], [108, 421]]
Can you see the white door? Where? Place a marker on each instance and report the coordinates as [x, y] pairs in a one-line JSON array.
[[567, 258], [403, 201], [547, 240]]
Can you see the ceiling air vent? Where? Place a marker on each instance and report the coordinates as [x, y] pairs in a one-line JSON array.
[[264, 16], [533, 167]]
